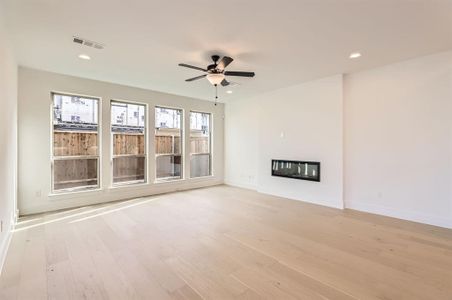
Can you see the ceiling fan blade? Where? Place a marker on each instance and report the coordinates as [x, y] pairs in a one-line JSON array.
[[224, 62], [193, 67], [225, 82], [238, 73], [196, 78]]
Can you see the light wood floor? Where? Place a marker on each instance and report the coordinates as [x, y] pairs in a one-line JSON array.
[[224, 243]]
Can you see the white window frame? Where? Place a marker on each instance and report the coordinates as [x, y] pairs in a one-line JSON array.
[[53, 158], [182, 146], [146, 147], [210, 144]]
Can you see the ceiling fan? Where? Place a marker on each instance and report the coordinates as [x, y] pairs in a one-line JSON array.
[[215, 72]]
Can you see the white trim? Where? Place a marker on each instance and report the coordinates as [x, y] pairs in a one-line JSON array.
[[117, 194], [183, 140], [267, 192], [169, 179], [241, 185], [4, 250], [200, 177], [292, 197], [5, 246], [74, 191], [211, 152], [369, 208], [146, 147], [99, 144], [404, 215]]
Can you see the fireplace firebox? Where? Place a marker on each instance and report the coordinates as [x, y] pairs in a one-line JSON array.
[[304, 170]]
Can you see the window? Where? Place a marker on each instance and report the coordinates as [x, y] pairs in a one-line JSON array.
[[168, 143], [128, 127], [75, 155], [200, 156]]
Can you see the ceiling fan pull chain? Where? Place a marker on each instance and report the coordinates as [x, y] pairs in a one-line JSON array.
[[216, 94]]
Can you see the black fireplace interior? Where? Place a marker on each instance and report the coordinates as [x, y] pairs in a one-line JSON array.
[[304, 170]]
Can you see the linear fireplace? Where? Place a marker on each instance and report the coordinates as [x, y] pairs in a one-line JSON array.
[[304, 170]]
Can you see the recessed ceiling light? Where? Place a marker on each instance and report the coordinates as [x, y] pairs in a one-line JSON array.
[[355, 55], [84, 56], [228, 92]]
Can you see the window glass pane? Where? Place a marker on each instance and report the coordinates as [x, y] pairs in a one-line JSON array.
[[74, 125], [75, 142], [129, 140], [129, 169], [200, 165], [167, 117], [169, 166], [74, 110], [125, 114], [75, 173], [199, 121], [168, 143], [200, 156]]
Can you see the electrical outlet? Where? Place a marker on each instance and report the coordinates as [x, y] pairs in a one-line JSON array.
[[1, 226], [38, 193]]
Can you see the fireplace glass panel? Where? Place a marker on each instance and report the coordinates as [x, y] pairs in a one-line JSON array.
[[304, 170]]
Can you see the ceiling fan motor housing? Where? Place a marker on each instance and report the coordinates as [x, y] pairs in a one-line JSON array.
[[215, 58], [211, 68]]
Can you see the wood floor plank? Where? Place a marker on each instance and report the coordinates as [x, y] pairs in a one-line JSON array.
[[33, 279], [224, 243]]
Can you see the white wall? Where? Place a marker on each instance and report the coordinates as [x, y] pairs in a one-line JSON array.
[[8, 140], [396, 133], [34, 182], [398, 140], [302, 122], [241, 143]]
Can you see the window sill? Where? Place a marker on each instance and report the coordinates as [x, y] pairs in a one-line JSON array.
[[68, 194], [202, 177], [168, 154], [126, 185], [64, 195], [160, 181]]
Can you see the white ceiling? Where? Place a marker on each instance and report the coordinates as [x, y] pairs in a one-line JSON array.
[[285, 42]]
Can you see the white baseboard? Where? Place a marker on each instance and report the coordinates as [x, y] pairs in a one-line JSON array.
[[74, 200], [292, 197], [4, 249], [366, 207], [404, 215], [241, 185], [263, 191]]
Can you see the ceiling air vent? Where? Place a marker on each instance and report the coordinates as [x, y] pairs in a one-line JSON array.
[[88, 43]]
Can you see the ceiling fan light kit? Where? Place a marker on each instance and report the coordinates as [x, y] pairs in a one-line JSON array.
[[215, 72], [215, 78]]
